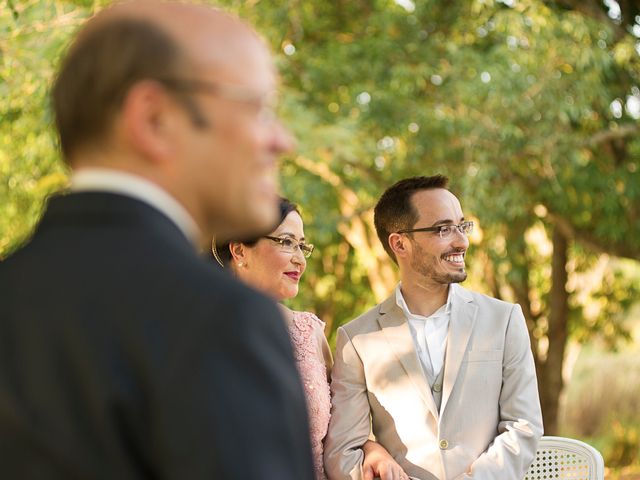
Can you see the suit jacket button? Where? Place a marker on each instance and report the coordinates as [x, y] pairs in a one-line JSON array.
[[437, 387], [444, 444]]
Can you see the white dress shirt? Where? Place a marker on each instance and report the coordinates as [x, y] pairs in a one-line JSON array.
[[429, 334], [122, 183]]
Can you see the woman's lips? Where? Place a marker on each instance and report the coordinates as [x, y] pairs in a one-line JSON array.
[[293, 275]]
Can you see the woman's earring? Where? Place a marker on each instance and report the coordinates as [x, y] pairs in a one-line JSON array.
[[241, 264]]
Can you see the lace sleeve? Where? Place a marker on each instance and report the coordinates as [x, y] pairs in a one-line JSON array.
[[305, 330]]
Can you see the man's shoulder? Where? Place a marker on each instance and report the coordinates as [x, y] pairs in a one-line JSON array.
[[210, 284], [482, 300], [367, 321]]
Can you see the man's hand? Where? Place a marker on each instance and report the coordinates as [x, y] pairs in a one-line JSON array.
[[378, 463]]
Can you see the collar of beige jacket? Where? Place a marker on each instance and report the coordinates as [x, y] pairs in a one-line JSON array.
[[459, 294], [396, 329]]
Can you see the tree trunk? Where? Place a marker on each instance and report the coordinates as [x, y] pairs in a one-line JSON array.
[[520, 284], [552, 383], [326, 309], [357, 228]]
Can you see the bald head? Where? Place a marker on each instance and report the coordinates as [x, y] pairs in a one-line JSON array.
[[142, 40], [189, 26], [180, 95]]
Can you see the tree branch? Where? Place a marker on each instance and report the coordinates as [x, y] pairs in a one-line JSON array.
[[615, 134], [589, 240], [594, 9]]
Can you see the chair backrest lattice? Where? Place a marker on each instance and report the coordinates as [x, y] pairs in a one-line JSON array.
[[559, 458]]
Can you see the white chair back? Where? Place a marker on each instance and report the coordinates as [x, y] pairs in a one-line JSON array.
[[559, 458]]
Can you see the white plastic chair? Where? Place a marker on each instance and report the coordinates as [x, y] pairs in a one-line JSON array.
[[566, 459]]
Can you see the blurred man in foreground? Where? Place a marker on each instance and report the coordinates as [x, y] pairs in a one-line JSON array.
[[123, 354]]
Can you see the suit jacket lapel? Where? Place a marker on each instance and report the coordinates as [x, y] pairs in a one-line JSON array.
[[463, 318], [396, 330]]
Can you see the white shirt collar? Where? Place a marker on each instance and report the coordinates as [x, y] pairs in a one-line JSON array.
[[116, 181], [400, 301]]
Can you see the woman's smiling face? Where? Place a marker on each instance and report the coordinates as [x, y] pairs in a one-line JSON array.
[[270, 269]]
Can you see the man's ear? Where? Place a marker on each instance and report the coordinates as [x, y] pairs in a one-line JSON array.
[[399, 244], [149, 115]]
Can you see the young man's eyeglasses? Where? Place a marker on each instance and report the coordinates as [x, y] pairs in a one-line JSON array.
[[444, 231], [290, 245]]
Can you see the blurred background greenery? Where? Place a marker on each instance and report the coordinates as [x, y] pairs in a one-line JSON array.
[[531, 107]]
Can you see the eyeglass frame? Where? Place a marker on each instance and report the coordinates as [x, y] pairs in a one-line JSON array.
[[267, 103], [305, 248], [438, 228]]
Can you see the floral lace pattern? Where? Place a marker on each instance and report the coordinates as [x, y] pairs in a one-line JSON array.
[[312, 369]]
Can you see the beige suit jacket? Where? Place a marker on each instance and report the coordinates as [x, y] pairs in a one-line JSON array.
[[489, 422]]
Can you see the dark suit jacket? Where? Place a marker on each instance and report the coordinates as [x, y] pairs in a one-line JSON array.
[[124, 355]]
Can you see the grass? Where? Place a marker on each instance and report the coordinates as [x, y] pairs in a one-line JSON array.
[[602, 407]]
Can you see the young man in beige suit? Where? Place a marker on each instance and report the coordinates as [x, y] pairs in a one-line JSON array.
[[442, 377]]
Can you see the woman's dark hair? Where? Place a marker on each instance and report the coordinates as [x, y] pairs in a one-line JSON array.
[[221, 253]]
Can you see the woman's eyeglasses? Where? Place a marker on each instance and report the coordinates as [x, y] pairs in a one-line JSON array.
[[290, 245]]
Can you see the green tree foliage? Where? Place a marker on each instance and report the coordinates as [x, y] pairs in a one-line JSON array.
[[32, 36], [532, 108]]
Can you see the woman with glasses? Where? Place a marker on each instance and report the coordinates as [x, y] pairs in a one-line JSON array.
[[274, 264]]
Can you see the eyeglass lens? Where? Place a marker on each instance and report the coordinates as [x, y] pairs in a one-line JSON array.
[[464, 228]]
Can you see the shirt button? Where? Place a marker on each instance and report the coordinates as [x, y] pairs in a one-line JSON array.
[[437, 387], [444, 444]]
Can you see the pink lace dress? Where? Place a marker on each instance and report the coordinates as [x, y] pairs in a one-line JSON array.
[[307, 332]]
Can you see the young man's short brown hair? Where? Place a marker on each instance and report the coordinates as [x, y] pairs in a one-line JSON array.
[[395, 211]]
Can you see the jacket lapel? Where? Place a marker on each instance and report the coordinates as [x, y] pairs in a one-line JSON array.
[[396, 331], [463, 317]]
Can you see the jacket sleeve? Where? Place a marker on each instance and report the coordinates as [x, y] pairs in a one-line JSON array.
[[350, 424]]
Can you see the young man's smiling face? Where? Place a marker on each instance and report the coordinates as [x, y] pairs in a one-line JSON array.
[[438, 260]]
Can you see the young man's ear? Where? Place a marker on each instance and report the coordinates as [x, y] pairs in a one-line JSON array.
[[398, 244]]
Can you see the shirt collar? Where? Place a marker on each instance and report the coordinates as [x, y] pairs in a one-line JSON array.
[[116, 181], [443, 310]]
